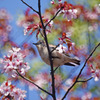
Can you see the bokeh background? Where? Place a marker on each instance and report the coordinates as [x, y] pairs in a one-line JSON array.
[[85, 32]]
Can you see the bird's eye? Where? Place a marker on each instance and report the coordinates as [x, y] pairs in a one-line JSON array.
[[40, 42]]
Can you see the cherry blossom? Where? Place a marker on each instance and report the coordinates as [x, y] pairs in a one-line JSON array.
[[91, 15], [7, 89], [31, 27], [5, 28], [61, 49], [14, 61], [68, 10], [95, 73], [52, 2], [18, 94], [65, 39], [70, 14], [97, 9], [87, 96]]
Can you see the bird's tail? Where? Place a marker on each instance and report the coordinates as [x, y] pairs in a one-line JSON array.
[[74, 62]]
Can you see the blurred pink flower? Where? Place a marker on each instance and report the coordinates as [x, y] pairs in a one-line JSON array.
[[14, 60], [7, 88]]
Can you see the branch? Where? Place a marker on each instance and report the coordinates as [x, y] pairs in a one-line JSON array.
[[29, 6], [54, 16], [41, 34], [49, 53], [55, 48], [85, 80], [33, 83], [55, 69], [80, 71]]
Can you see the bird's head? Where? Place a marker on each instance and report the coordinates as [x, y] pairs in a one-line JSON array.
[[39, 44]]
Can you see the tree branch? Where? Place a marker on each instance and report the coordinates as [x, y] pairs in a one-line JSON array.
[[85, 80], [33, 83], [49, 53], [54, 16], [55, 48], [29, 6], [80, 72]]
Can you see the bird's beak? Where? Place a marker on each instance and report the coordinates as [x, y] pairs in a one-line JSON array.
[[36, 43]]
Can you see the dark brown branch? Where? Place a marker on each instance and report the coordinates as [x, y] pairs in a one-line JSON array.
[[85, 80], [41, 33], [55, 69], [55, 48], [54, 16], [80, 71], [33, 83], [29, 6], [49, 53]]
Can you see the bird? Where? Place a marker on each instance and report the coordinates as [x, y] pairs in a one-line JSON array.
[[59, 58]]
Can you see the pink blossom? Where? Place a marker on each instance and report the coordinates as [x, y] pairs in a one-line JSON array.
[[61, 49], [70, 14], [97, 9], [18, 94], [91, 15], [14, 60], [52, 2], [87, 96], [95, 73], [65, 39], [41, 80], [5, 28], [7, 88]]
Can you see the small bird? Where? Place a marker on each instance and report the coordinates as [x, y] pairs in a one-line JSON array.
[[59, 58]]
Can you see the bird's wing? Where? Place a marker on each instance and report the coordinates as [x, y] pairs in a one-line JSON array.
[[52, 47], [57, 55]]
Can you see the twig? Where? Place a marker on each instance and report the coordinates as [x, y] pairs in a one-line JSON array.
[[29, 6], [80, 72], [41, 34], [54, 16], [33, 83], [55, 69], [49, 53], [55, 48], [85, 80]]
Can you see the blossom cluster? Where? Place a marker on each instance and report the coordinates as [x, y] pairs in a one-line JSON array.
[[5, 28], [14, 61], [68, 10], [65, 39], [8, 91], [31, 23], [95, 73], [87, 96], [36, 27]]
